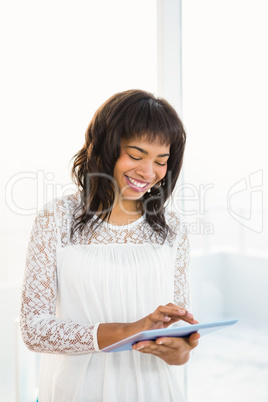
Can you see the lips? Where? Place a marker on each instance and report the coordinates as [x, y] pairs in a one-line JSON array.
[[137, 185]]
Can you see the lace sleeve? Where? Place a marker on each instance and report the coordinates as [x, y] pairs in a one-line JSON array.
[[181, 278], [41, 330]]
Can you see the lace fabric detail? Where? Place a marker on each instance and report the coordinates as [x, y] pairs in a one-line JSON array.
[[181, 274], [42, 331]]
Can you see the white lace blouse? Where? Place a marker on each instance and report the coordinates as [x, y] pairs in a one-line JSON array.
[[116, 274]]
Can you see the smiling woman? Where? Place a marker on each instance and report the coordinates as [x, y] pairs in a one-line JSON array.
[[135, 131], [109, 261]]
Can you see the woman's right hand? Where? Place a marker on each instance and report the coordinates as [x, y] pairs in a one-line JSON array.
[[162, 317]]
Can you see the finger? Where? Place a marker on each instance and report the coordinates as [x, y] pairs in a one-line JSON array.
[[172, 310], [193, 339], [173, 342], [183, 314], [163, 313], [144, 344], [182, 311], [166, 341], [170, 341], [159, 316]]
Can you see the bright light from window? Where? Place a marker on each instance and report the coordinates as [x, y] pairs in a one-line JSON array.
[[225, 86]]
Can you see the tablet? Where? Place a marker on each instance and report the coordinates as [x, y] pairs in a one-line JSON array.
[[180, 331]]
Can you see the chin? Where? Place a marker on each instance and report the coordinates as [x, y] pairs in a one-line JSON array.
[[132, 196]]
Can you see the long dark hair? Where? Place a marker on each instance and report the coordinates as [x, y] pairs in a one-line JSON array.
[[128, 114]]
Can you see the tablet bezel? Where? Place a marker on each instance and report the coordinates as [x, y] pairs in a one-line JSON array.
[[178, 331]]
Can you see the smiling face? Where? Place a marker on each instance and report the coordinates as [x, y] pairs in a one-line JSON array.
[[140, 166]]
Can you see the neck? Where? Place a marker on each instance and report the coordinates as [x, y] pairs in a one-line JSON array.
[[124, 212]]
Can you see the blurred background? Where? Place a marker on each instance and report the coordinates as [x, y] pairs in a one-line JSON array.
[[60, 61]]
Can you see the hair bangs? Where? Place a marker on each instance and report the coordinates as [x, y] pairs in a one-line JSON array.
[[151, 121]]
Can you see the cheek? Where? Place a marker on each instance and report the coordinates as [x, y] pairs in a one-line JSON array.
[[122, 165], [161, 172]]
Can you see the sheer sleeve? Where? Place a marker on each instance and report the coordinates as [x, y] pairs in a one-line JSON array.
[[181, 277], [41, 330]]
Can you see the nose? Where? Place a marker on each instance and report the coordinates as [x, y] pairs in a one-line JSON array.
[[146, 171]]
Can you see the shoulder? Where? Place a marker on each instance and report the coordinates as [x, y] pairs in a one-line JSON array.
[[53, 220], [59, 208]]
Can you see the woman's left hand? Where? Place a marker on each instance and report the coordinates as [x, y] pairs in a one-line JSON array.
[[174, 351]]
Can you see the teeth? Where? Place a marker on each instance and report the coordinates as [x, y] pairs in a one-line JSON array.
[[136, 183]]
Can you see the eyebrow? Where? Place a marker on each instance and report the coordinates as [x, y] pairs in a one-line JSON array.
[[145, 152]]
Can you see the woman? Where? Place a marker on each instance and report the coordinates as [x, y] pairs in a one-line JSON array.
[[110, 261]]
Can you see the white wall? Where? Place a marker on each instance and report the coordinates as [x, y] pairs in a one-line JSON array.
[[60, 61], [225, 86], [230, 285], [230, 364]]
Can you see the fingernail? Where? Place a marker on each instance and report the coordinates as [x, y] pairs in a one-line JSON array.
[[181, 311], [189, 315], [141, 347], [167, 318]]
